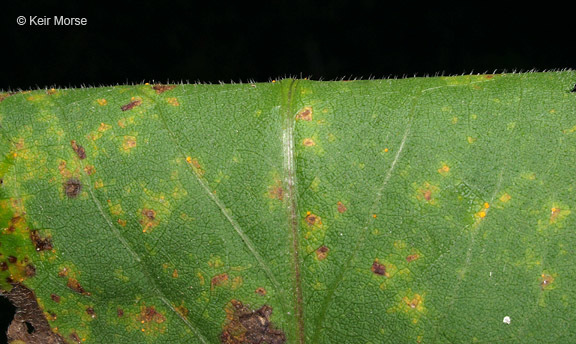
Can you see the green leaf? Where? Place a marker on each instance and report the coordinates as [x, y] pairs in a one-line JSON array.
[[423, 210]]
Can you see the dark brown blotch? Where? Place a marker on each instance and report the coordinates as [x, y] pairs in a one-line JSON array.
[[41, 244], [55, 298], [322, 252], [72, 187], [162, 88], [12, 259], [131, 105], [149, 213], [247, 326], [378, 269], [30, 324], [260, 291], [79, 150], [3, 266], [90, 311], [120, 312], [312, 219]]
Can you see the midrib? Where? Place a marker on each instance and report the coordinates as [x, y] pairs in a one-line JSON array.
[[289, 88]]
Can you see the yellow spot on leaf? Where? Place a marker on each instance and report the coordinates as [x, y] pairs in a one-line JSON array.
[[102, 101], [481, 214], [471, 139], [308, 142], [89, 170], [129, 143], [569, 131], [444, 169], [386, 150], [103, 127], [505, 198], [173, 101]]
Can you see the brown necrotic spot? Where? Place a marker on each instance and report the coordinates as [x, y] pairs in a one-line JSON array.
[[162, 88], [90, 311], [30, 270], [260, 291], [41, 244], [248, 326], [120, 312], [76, 286], [150, 314], [79, 150], [305, 114], [312, 219], [322, 252], [29, 325], [341, 207], [219, 280], [12, 259], [276, 192], [72, 187], [131, 105], [412, 257], [3, 266], [148, 219], [55, 298], [149, 213], [378, 269]]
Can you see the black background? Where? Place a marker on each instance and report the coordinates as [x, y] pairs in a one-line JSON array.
[[170, 41]]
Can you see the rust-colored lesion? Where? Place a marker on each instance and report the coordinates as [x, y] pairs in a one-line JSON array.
[[159, 88], [76, 286], [246, 326], [29, 325], [341, 207], [276, 191], [219, 280], [150, 314], [134, 103], [412, 257], [148, 219], [313, 219], [305, 114]]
